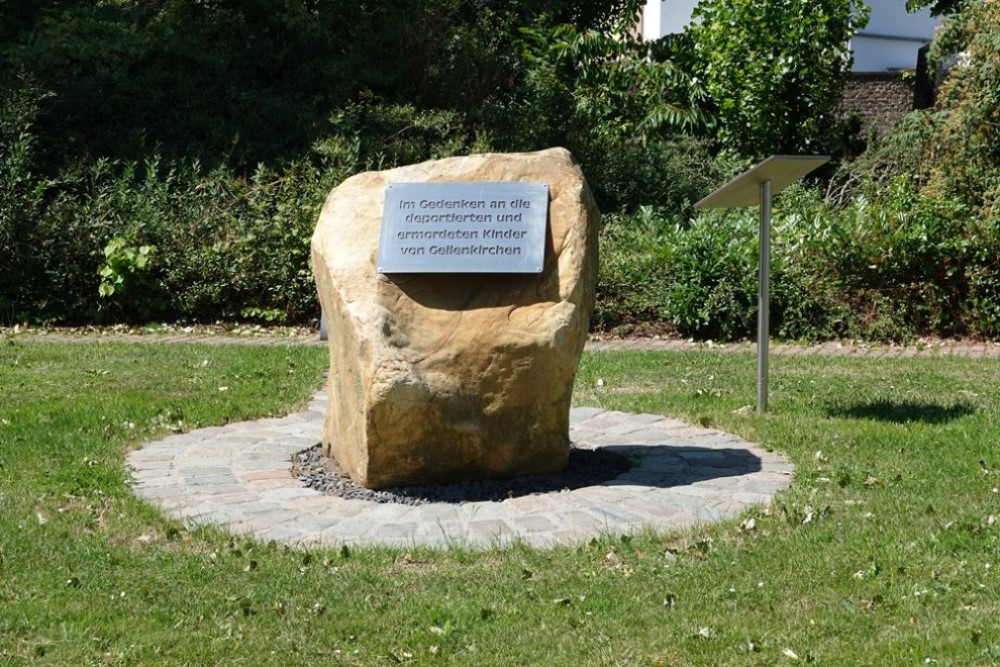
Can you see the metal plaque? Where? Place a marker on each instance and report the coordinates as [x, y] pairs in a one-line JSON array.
[[463, 228]]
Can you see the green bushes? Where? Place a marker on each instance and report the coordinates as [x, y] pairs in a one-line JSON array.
[[129, 242], [892, 267], [964, 152]]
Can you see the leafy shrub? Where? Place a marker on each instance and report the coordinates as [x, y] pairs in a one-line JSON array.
[[23, 194], [699, 278], [713, 279], [631, 286], [224, 245], [963, 158], [889, 268]]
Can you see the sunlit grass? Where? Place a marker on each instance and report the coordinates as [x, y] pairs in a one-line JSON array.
[[884, 552]]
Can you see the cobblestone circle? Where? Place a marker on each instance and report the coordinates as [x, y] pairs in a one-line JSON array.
[[240, 477]]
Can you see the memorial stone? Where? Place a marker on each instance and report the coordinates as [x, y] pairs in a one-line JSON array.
[[459, 367]]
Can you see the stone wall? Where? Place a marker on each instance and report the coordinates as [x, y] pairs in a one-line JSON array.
[[879, 98]]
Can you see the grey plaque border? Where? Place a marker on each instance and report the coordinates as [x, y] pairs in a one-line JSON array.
[[533, 222]]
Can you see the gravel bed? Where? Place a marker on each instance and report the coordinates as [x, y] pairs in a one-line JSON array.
[[585, 468]]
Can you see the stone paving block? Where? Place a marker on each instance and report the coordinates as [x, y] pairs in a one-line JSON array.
[[488, 532], [579, 519], [532, 523], [694, 491], [317, 502], [349, 529], [191, 512], [274, 483], [393, 531], [241, 467], [585, 437], [386, 512], [617, 517], [163, 492], [443, 534], [151, 458], [350, 507], [243, 438], [258, 506], [752, 498], [438, 512], [190, 471], [262, 434], [688, 434], [648, 437], [577, 415], [529, 504], [673, 497], [221, 515], [275, 450], [704, 514], [596, 495], [317, 523], [711, 479], [481, 511], [622, 429], [210, 450], [764, 486], [240, 497], [634, 485], [276, 517], [724, 470], [213, 493], [266, 474], [298, 443], [283, 495], [149, 482], [172, 503], [668, 424], [209, 480], [152, 473], [730, 507], [602, 422]]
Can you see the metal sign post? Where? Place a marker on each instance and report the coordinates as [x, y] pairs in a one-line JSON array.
[[763, 295], [756, 185]]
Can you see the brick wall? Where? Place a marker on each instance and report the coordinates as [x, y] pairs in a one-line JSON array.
[[879, 98]]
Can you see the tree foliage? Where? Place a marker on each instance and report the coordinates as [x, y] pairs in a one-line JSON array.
[[775, 69], [242, 81], [938, 7], [963, 158]]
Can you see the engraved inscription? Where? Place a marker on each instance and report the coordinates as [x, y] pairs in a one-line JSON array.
[[463, 228]]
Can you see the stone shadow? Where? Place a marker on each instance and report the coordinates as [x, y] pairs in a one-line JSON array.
[[666, 466], [903, 411], [467, 291], [655, 466]]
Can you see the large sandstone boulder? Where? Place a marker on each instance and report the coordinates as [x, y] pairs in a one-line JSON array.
[[456, 376]]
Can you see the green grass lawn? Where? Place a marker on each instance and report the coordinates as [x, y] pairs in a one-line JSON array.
[[884, 552]]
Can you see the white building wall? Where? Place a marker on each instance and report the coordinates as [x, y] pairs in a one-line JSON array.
[[890, 41], [892, 37], [665, 17]]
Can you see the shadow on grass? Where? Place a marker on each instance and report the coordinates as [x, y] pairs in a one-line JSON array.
[[903, 412]]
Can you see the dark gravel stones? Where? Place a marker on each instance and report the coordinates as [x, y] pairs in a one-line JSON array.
[[585, 468]]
